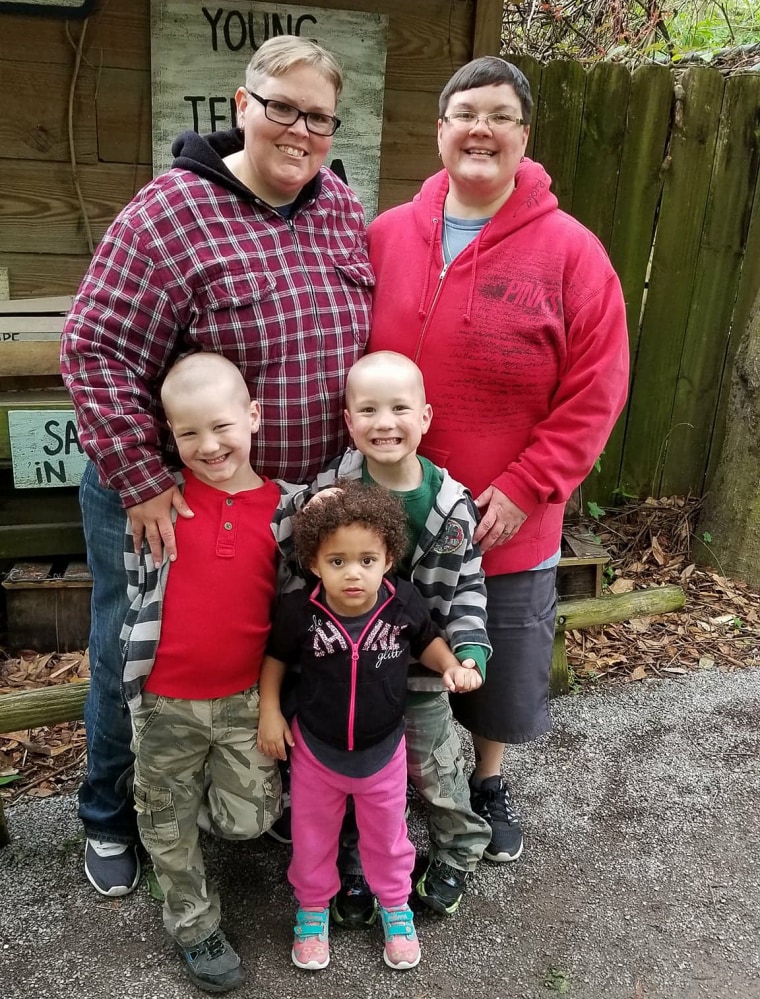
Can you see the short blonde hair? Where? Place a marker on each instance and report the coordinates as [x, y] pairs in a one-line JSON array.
[[198, 371], [278, 55]]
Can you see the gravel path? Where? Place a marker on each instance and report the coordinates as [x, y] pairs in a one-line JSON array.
[[640, 878]]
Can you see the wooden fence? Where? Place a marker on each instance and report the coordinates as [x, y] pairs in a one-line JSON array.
[[663, 167]]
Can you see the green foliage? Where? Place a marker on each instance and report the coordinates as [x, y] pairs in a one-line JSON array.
[[707, 537], [8, 779], [629, 30], [557, 980], [154, 888], [594, 510]]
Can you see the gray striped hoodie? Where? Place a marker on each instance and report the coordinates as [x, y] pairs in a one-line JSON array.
[[446, 565]]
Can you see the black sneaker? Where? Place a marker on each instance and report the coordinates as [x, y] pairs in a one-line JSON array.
[[113, 869], [492, 800], [441, 887], [212, 964], [354, 906], [280, 828]]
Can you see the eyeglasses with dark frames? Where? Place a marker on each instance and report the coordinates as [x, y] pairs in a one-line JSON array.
[[495, 120], [286, 114]]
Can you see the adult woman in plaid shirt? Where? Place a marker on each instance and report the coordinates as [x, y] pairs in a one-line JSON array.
[[247, 247]]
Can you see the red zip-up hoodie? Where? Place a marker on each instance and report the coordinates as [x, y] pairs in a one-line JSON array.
[[522, 343]]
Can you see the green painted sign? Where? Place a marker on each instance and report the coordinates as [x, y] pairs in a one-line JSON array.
[[45, 448]]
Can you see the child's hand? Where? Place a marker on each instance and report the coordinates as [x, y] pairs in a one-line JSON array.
[[462, 678], [274, 734], [323, 494]]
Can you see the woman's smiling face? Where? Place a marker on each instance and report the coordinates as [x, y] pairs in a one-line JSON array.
[[281, 159], [481, 161]]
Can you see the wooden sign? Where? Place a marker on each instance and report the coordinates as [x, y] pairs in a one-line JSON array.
[[48, 8], [198, 58], [45, 448]]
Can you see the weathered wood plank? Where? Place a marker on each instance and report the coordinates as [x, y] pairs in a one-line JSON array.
[[17, 329], [410, 149], [688, 167], [603, 127], [487, 29], [30, 358], [124, 116], [396, 192], [533, 69], [734, 176], [558, 124], [30, 540], [36, 306], [39, 210], [32, 274], [639, 188], [38, 128]]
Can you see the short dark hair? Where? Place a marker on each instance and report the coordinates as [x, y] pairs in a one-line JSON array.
[[371, 506], [485, 72]]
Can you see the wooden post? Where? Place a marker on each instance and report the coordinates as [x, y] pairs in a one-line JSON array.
[[46, 706], [487, 33], [587, 612]]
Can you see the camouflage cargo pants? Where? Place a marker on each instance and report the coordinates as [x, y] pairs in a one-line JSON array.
[[436, 769], [198, 758]]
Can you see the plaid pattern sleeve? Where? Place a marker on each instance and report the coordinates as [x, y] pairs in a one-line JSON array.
[[188, 265]]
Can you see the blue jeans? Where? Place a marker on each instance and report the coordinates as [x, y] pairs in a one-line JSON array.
[[106, 811]]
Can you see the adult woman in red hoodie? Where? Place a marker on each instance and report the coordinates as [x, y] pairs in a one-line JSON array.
[[516, 318]]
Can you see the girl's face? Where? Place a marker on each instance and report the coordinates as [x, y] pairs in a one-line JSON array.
[[351, 563]]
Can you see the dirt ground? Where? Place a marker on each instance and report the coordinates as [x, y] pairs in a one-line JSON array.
[[639, 879]]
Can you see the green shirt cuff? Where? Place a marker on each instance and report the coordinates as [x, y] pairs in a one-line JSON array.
[[477, 652]]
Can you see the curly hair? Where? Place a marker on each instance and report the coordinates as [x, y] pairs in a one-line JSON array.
[[370, 506]]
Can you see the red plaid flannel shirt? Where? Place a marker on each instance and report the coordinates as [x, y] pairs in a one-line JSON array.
[[190, 265]]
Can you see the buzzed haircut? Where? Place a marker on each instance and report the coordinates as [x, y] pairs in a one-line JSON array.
[[196, 371], [380, 357]]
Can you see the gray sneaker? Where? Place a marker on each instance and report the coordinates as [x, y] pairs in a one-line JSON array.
[[212, 964], [113, 869]]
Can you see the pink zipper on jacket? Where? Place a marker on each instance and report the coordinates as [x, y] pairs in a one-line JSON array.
[[355, 649]]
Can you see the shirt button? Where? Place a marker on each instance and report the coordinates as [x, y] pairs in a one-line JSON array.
[[228, 526], [228, 502]]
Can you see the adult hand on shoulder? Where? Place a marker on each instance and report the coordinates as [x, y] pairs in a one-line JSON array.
[[501, 519], [153, 520]]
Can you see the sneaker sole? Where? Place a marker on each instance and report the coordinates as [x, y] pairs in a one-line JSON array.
[[503, 857], [402, 965], [310, 965], [201, 983], [436, 904], [118, 891]]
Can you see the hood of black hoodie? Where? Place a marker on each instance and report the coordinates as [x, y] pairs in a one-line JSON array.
[[204, 156]]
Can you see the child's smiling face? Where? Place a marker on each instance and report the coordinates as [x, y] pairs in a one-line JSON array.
[[386, 412], [351, 563]]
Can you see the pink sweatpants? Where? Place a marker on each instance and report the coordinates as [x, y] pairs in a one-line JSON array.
[[318, 800]]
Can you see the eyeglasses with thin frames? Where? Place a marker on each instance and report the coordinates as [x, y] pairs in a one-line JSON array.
[[285, 114], [495, 120]]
